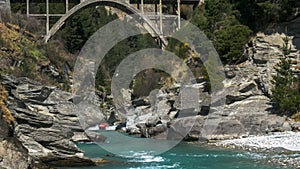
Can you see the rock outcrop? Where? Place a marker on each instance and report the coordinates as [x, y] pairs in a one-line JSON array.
[[152, 115], [45, 127], [247, 110]]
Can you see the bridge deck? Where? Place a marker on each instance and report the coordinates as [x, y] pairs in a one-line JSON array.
[[131, 1], [165, 1]]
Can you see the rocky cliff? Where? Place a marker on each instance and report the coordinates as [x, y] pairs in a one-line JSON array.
[[248, 109], [44, 129]]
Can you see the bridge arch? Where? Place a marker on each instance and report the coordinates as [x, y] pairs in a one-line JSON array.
[[125, 7]]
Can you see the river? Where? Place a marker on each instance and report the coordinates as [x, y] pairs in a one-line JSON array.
[[183, 156]]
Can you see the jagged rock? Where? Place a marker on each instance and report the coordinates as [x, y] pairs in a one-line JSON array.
[[58, 96], [154, 131], [296, 126], [80, 137], [140, 102], [13, 155], [25, 116], [112, 118], [263, 53], [248, 109], [45, 123], [149, 116], [247, 90], [72, 161], [96, 137], [121, 127], [89, 114]]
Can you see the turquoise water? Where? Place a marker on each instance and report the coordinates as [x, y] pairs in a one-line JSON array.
[[183, 156]]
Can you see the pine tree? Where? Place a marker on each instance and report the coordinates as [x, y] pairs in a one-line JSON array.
[[285, 94]]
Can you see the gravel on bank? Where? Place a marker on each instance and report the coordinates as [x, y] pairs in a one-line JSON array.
[[287, 143], [287, 140]]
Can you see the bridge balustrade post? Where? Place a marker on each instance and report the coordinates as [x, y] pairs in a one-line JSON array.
[[67, 6], [47, 17], [142, 5], [27, 8], [179, 13], [160, 17]]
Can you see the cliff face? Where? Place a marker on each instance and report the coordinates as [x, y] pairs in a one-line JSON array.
[[22, 55], [248, 110], [247, 88], [44, 128]]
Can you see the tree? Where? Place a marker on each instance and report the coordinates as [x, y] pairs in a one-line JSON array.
[[285, 93], [219, 20], [82, 25], [231, 41], [258, 14]]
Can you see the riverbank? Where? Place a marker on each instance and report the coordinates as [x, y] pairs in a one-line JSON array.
[[287, 144]]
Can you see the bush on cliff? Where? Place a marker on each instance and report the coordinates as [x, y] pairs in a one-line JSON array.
[[285, 93]]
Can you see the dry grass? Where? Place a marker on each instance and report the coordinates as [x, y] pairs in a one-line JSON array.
[[296, 117], [6, 115]]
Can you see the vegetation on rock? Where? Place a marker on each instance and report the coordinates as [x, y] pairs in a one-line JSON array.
[[285, 93], [23, 55], [296, 117], [4, 111]]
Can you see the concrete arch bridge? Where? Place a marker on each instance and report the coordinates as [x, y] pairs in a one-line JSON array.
[[128, 6]]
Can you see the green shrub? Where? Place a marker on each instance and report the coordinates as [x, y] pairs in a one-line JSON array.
[[230, 42], [285, 93]]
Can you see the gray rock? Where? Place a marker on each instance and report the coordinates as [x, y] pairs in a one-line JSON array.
[[296, 126], [247, 110], [45, 123], [14, 156], [24, 116], [96, 137], [112, 118], [58, 96], [80, 137]]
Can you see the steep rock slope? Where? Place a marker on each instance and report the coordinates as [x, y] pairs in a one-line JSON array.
[[248, 109], [44, 127]]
